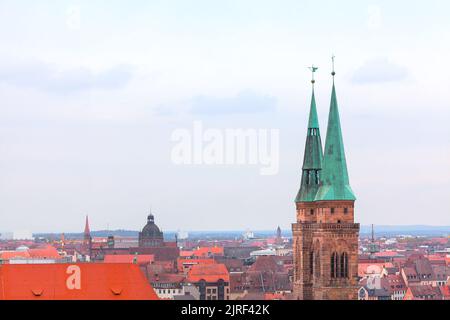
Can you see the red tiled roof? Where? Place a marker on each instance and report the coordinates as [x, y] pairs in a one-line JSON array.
[[266, 263], [186, 253], [425, 292], [190, 262], [372, 268], [410, 271], [208, 251], [209, 273], [47, 252], [386, 254], [7, 255], [128, 258], [167, 278], [79, 281]]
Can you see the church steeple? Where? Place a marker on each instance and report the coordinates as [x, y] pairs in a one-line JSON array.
[[312, 160], [335, 183], [87, 230]]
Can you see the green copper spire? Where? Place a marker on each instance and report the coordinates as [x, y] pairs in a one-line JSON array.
[[334, 180], [312, 160], [313, 120]]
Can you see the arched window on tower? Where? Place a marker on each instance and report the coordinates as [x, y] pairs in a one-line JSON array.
[[344, 265], [317, 264], [334, 265], [311, 262]]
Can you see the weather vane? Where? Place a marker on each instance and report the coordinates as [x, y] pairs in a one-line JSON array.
[[313, 70]]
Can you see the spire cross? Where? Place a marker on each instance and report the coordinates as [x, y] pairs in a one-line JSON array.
[[313, 70]]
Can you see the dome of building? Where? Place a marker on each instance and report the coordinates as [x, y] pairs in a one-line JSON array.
[[151, 230], [151, 235]]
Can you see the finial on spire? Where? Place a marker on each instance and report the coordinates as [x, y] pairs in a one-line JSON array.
[[313, 70], [333, 73]]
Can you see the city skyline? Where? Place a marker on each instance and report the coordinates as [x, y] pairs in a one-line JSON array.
[[88, 106]]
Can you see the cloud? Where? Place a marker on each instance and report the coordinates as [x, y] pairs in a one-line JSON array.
[[243, 102], [42, 76], [379, 70]]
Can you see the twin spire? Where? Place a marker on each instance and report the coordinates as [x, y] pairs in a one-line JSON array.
[[324, 175]]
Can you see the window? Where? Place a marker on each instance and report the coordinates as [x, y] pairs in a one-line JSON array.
[[345, 210], [334, 265], [311, 212], [317, 264], [344, 265], [332, 210], [311, 262]]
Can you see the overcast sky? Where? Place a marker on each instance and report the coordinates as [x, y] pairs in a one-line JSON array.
[[91, 92]]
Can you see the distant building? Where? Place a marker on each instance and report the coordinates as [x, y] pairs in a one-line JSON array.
[[182, 235], [151, 236], [151, 242], [242, 252], [248, 235], [212, 281], [279, 238], [87, 241], [16, 235], [264, 252]]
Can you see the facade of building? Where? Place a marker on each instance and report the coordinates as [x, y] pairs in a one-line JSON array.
[[325, 237]]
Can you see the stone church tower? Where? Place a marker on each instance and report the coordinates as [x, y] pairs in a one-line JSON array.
[[325, 235]]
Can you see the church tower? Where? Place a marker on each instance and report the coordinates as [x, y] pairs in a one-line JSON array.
[[87, 239], [325, 235]]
